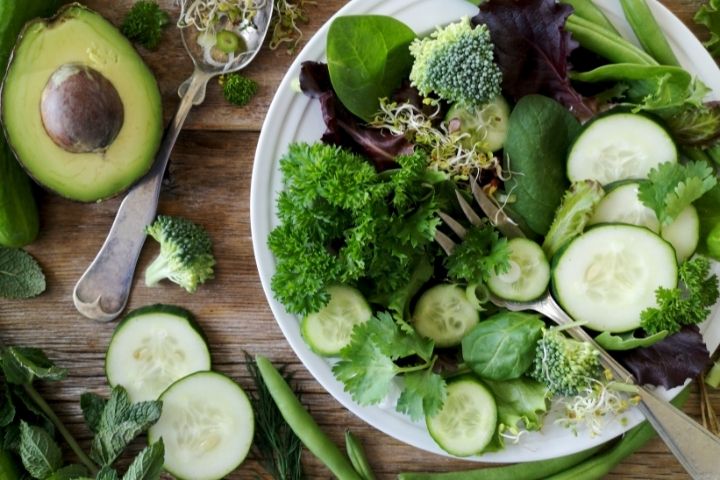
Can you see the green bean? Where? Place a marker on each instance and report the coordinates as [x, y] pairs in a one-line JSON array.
[[589, 11], [648, 32], [303, 424], [599, 466], [605, 43], [522, 471], [356, 453]]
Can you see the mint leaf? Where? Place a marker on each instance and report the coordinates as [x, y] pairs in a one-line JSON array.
[[21, 365], [92, 407], [107, 473], [672, 187], [424, 394], [20, 274], [71, 472], [7, 407], [148, 464], [120, 422], [40, 455]]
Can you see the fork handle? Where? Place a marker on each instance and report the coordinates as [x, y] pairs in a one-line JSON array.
[[102, 292]]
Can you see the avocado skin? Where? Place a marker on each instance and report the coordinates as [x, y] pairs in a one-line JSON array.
[[19, 222], [145, 81]]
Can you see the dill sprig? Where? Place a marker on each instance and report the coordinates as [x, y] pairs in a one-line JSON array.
[[277, 446]]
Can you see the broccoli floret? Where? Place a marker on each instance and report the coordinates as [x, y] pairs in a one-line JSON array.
[[237, 89], [566, 366], [185, 253], [144, 24], [456, 63]]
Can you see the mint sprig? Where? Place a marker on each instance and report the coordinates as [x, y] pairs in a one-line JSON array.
[[20, 274]]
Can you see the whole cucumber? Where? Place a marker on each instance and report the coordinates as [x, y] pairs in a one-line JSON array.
[[18, 210]]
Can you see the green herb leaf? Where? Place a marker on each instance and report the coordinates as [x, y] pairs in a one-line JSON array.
[[672, 187], [148, 464], [22, 365], [709, 15], [7, 407], [120, 422], [522, 403], [481, 254], [628, 340], [92, 407], [20, 274], [40, 455], [71, 472], [107, 473], [424, 393]]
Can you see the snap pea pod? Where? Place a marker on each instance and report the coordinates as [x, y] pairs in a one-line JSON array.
[[303, 424], [606, 43], [589, 11], [357, 456], [648, 32], [520, 471]]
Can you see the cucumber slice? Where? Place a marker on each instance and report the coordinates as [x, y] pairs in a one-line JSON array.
[[445, 314], [619, 146], [328, 331], [684, 233], [207, 425], [608, 275], [622, 205], [486, 124], [467, 420], [152, 347], [528, 276]]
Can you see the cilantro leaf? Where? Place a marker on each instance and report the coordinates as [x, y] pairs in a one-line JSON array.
[[40, 455], [672, 187], [480, 254], [423, 394], [22, 365], [148, 464], [689, 304], [365, 370], [20, 274], [92, 407], [120, 422]]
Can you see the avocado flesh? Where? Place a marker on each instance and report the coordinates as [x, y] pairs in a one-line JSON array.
[[80, 36]]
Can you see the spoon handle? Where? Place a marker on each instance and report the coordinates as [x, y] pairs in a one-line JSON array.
[[102, 292]]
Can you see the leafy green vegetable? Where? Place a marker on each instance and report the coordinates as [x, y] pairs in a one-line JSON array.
[[20, 274], [708, 208], [522, 403], [481, 254], [503, 346], [341, 222], [539, 136], [22, 365], [92, 407], [144, 23], [713, 242], [148, 464], [672, 187], [369, 364], [40, 455], [695, 126], [689, 304], [709, 15], [628, 340], [238, 89], [120, 422], [368, 58], [573, 215]]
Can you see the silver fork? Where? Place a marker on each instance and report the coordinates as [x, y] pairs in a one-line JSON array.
[[695, 447]]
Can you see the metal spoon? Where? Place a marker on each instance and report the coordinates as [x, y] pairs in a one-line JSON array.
[[102, 292]]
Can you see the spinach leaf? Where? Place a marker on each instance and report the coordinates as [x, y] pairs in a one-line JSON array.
[[628, 340], [503, 346], [368, 57], [539, 134]]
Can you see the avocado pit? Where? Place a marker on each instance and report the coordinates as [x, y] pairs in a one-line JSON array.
[[81, 110]]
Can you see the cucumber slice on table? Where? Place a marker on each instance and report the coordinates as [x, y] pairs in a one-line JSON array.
[[152, 347], [619, 146], [466, 422], [329, 330], [608, 275], [528, 275], [207, 426], [445, 314]]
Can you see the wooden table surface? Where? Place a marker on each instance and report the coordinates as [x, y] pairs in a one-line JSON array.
[[211, 170]]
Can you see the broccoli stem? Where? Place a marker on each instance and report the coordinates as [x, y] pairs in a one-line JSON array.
[[158, 270]]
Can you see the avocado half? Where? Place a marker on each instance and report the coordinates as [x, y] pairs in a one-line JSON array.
[[80, 108]]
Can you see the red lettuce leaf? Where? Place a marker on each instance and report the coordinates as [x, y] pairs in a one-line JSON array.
[[345, 129], [532, 49], [669, 362]]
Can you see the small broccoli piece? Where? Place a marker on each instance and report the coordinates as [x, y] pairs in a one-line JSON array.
[[456, 63], [144, 24], [566, 366], [185, 253], [237, 89]]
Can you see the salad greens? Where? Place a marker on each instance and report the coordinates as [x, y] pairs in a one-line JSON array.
[[481, 254], [709, 16], [20, 274]]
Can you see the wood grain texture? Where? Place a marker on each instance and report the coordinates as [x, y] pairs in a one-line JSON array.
[[210, 183]]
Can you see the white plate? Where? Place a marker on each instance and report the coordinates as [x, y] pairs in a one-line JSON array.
[[294, 117]]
